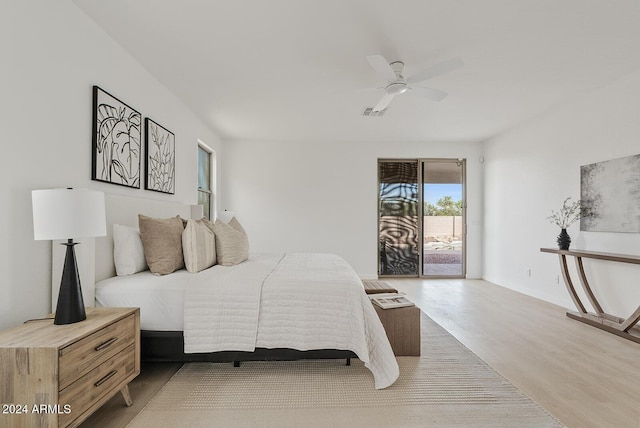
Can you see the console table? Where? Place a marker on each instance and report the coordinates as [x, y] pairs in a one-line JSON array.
[[600, 319]]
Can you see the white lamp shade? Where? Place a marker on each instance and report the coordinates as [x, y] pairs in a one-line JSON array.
[[68, 213]]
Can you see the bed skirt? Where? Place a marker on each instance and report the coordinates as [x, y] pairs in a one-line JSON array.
[[168, 346]]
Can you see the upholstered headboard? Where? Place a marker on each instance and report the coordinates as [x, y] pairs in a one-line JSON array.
[[124, 210]]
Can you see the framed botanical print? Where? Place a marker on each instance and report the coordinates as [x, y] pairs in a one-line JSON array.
[[116, 141], [160, 147]]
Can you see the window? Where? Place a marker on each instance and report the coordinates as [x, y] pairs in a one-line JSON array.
[[206, 179]]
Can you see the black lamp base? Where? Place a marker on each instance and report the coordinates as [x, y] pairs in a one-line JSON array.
[[70, 308]]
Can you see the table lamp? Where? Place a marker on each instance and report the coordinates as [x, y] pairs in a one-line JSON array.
[[68, 214]]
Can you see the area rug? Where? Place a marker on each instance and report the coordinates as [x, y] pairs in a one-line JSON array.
[[448, 386]]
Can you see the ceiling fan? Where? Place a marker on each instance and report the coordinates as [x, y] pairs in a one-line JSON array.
[[397, 84]]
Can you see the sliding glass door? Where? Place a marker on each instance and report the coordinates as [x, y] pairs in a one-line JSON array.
[[421, 217], [443, 217], [398, 207]]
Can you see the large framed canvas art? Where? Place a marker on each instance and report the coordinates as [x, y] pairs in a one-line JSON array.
[[610, 190], [116, 141], [160, 146]]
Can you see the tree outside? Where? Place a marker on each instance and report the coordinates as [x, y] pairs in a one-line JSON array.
[[445, 206]]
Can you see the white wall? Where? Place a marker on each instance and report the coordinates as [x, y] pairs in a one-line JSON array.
[[52, 54], [322, 196], [529, 172]]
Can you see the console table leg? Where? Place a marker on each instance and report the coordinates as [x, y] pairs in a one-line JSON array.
[[587, 288], [631, 321], [569, 284]]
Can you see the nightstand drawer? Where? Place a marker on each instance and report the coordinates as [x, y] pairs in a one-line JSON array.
[[84, 355], [87, 390]]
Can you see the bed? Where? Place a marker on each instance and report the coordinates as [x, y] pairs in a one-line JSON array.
[[271, 306]]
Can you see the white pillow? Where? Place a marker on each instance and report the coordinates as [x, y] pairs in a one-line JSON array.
[[198, 246], [128, 253]]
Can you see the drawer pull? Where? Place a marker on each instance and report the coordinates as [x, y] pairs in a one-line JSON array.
[[108, 376], [106, 344]]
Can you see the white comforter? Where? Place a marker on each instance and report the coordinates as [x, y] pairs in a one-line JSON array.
[[298, 301]]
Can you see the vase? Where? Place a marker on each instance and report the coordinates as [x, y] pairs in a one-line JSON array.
[[564, 240]]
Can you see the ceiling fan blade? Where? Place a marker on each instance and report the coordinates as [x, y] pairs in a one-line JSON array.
[[384, 102], [382, 67], [436, 70], [428, 93]]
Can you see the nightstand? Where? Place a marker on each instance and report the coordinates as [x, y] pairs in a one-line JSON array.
[[57, 375]]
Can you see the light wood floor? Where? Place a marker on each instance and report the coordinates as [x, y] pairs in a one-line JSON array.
[[583, 376]]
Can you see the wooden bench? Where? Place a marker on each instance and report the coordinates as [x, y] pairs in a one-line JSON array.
[[402, 325], [403, 329]]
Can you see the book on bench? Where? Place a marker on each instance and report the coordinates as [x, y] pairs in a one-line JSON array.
[[391, 300], [375, 287]]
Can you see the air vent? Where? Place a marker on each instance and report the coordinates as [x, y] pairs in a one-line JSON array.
[[368, 111]]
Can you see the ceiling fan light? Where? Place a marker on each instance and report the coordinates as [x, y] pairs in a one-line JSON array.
[[396, 88]]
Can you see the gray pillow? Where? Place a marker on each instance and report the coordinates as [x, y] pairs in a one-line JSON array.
[[162, 242]]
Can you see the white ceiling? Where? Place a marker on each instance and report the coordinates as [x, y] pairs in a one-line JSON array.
[[297, 69]]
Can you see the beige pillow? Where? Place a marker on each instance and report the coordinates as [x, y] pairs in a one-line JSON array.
[[198, 246], [236, 225], [162, 242], [207, 223], [232, 243]]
